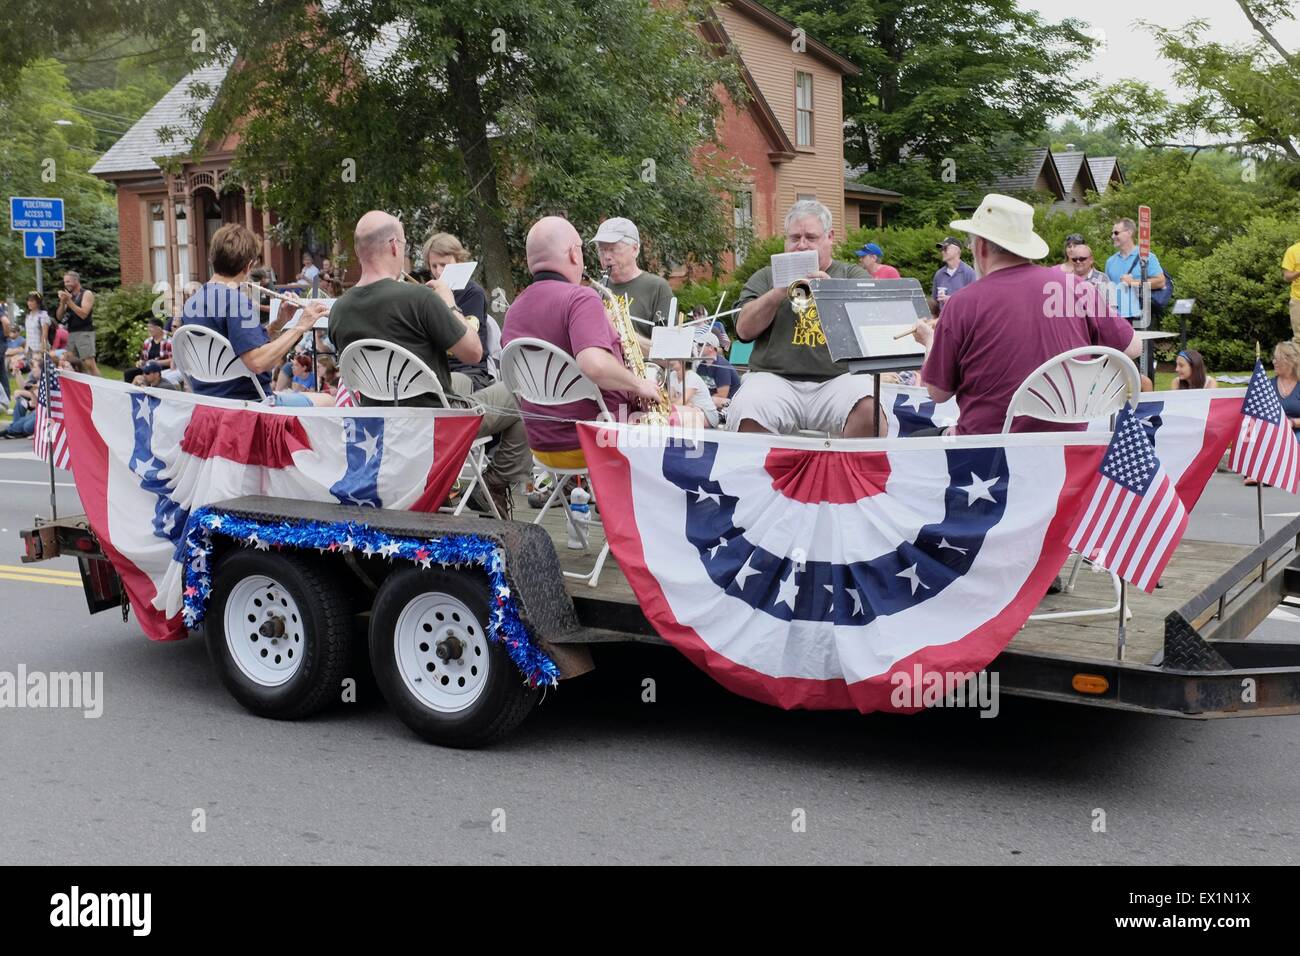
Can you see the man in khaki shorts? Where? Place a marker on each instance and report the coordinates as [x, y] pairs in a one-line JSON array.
[[792, 382], [77, 309], [1291, 274]]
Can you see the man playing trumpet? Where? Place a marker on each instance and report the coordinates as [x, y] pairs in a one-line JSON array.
[[793, 383]]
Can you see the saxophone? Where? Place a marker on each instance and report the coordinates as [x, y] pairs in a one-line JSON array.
[[616, 308]]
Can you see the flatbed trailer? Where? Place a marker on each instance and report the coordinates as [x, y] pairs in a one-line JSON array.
[[1186, 652]]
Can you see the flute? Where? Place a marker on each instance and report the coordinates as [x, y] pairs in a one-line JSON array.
[[287, 297], [407, 277]]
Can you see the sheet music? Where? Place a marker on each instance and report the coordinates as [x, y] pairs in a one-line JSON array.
[[788, 266], [458, 274]]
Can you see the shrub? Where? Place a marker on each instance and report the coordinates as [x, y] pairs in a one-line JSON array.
[[122, 324], [1240, 296], [910, 250]]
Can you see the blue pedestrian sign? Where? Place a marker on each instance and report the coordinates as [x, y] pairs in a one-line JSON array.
[[38, 245], [33, 213]]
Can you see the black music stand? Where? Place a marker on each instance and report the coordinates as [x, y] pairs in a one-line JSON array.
[[861, 319]]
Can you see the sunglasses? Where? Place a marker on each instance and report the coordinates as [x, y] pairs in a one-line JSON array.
[[1080, 258], [1116, 232]]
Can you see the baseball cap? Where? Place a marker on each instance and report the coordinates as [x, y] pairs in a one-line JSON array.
[[149, 368], [948, 241], [617, 230], [870, 249], [708, 338]]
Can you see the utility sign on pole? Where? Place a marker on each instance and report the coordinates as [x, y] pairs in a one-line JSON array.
[[26, 212], [39, 245]]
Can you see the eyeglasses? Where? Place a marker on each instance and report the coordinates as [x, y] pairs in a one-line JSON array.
[[1116, 232], [1080, 258]]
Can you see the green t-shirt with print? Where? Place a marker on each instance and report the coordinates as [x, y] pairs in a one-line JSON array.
[[794, 347]]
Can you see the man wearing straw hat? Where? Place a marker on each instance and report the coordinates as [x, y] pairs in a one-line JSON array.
[[1018, 315]]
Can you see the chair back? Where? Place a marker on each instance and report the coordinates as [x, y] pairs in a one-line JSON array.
[[541, 373], [386, 372], [1077, 386], [204, 355]]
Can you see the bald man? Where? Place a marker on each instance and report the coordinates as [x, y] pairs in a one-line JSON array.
[[556, 309], [425, 321]]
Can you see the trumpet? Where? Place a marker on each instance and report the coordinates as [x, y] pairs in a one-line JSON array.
[[801, 297]]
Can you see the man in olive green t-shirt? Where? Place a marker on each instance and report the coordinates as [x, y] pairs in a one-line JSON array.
[[650, 297], [426, 322], [792, 382]]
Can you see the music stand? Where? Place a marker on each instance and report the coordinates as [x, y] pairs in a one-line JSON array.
[[862, 319]]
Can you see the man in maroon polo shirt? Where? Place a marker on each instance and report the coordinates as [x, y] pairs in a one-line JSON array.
[[556, 309], [1016, 317]]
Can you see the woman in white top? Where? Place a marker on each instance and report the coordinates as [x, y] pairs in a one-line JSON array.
[[697, 393]]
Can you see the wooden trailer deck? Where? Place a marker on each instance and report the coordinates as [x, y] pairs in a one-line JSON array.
[[1194, 566]]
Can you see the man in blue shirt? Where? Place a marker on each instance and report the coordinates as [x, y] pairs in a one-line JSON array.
[[717, 372], [1124, 271], [953, 276]]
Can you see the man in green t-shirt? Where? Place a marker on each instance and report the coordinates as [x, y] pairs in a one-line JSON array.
[[792, 382], [618, 241], [425, 321]]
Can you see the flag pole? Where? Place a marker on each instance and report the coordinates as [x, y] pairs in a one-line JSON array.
[[1123, 613], [49, 445]]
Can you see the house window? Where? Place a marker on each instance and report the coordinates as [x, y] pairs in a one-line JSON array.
[[743, 220], [803, 106], [158, 241]]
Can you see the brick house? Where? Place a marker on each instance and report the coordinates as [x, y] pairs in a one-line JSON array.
[[789, 135]]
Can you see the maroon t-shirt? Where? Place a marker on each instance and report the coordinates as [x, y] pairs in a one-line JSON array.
[[996, 332], [572, 317]]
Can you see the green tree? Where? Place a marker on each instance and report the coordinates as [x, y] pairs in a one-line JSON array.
[[47, 152], [1240, 296], [943, 81], [1247, 94], [480, 116]]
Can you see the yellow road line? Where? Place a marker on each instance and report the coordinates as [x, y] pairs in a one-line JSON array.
[[35, 569], [7, 576]]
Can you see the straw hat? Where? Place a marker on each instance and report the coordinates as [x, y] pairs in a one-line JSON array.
[[1008, 222]]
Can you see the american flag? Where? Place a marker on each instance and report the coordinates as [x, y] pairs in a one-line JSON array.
[[50, 433], [343, 398], [1135, 518], [1266, 449]]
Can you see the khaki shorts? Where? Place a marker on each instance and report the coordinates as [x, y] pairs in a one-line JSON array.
[[784, 406], [1295, 320], [82, 345]]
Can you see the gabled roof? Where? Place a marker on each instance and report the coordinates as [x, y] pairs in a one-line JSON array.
[[1105, 170], [1038, 162], [139, 146], [785, 29], [780, 148], [1072, 165], [851, 185]]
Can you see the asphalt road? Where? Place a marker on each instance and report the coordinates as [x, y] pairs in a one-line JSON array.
[[596, 774]]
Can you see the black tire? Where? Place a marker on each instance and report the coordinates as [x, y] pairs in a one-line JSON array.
[[325, 639], [504, 699]]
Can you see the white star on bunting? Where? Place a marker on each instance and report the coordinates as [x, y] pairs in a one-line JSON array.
[[978, 489]]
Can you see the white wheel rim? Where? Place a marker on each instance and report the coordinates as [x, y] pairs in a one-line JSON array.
[[264, 630], [430, 631]]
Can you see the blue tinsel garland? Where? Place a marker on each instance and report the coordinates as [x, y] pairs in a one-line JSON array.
[[504, 623]]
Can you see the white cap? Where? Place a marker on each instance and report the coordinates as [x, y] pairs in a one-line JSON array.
[[617, 230]]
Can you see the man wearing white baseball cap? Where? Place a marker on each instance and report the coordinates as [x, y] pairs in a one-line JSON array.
[[1016, 317], [618, 241]]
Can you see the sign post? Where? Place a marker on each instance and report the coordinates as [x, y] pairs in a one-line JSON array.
[[38, 219], [1144, 250]]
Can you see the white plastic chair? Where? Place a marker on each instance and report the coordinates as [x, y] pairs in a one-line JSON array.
[[388, 372], [543, 374], [494, 347], [201, 354], [1080, 385]]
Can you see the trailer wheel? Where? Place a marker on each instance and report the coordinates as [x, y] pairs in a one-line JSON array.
[[278, 633], [434, 662]]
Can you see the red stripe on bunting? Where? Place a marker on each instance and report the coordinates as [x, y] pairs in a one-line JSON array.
[[244, 436], [453, 435]]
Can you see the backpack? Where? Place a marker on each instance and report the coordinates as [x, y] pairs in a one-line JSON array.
[[1160, 298]]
